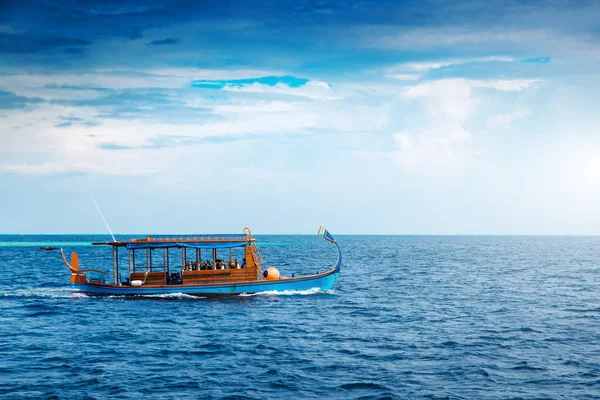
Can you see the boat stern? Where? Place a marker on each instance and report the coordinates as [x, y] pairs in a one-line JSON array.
[[77, 277]]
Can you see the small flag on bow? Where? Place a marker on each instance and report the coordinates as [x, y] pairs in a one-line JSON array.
[[325, 233]]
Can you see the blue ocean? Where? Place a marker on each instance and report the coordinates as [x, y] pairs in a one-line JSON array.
[[432, 317]]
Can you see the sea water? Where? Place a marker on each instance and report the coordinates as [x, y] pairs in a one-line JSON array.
[[444, 317]]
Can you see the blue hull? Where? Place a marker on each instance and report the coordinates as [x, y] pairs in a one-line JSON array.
[[321, 282]]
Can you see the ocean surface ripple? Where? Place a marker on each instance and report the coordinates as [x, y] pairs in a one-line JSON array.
[[435, 317]]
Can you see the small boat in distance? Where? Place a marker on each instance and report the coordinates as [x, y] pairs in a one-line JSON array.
[[195, 274]]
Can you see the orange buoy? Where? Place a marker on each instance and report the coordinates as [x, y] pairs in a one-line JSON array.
[[271, 274]]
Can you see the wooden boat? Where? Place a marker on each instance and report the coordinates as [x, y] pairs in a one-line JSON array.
[[192, 276]]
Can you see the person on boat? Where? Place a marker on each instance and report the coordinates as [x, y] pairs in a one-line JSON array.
[[243, 263]]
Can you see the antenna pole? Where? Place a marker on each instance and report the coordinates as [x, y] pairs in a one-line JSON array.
[[105, 223]]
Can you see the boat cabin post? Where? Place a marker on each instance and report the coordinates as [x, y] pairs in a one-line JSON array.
[[131, 261], [166, 255], [115, 251]]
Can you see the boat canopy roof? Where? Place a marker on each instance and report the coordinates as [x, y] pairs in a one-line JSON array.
[[220, 241]]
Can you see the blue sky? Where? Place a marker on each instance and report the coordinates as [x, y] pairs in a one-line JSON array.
[[424, 117]]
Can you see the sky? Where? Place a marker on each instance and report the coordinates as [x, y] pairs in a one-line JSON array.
[[367, 117]]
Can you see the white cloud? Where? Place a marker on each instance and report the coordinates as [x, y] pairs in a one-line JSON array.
[[445, 88], [448, 99], [34, 142], [41, 148], [505, 85], [547, 39], [416, 70], [404, 77], [438, 150], [508, 118], [394, 38], [426, 66], [41, 85], [250, 106], [317, 90], [437, 142], [38, 145], [210, 74], [22, 82]]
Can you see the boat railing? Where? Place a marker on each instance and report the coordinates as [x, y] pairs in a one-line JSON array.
[[194, 238], [257, 258]]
